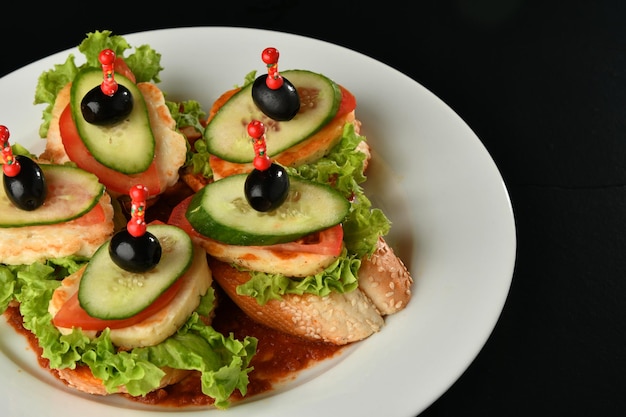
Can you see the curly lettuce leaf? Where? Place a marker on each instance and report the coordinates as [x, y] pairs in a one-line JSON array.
[[7, 287], [343, 168], [224, 362], [48, 86], [340, 276], [144, 62], [189, 114]]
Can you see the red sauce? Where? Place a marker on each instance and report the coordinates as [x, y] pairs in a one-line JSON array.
[[279, 357]]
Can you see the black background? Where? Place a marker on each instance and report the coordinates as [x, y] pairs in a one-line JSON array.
[[543, 85]]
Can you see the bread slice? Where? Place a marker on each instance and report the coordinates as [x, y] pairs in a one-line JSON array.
[[82, 379], [385, 279], [384, 288], [151, 331], [338, 318]]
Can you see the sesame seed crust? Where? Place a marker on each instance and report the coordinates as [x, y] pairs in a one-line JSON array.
[[337, 318], [385, 279]]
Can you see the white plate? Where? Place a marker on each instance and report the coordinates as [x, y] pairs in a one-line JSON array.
[[452, 224]]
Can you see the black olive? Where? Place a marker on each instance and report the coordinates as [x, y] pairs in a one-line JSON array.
[[281, 104], [101, 109], [267, 189], [135, 254], [27, 190]]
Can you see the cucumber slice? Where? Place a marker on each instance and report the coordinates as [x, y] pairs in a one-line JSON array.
[[108, 292], [127, 146], [226, 134], [220, 211], [72, 192]]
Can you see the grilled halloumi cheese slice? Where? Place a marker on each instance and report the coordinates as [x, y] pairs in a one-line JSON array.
[[25, 245]]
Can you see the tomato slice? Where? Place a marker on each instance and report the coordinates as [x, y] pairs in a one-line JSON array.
[[348, 102], [122, 68], [114, 181], [325, 242], [94, 216], [72, 314], [221, 100]]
